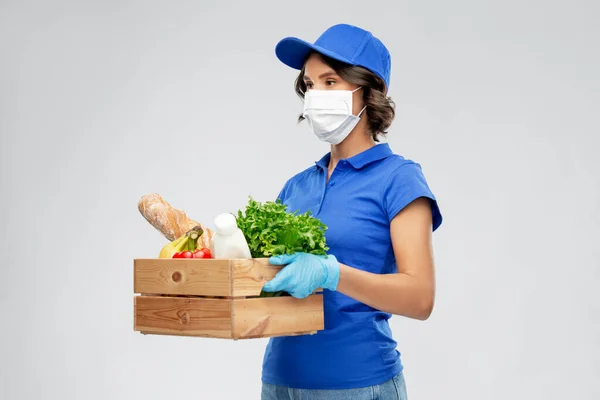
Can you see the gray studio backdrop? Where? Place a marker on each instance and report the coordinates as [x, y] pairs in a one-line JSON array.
[[102, 102]]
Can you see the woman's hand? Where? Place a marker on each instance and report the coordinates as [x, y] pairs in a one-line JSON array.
[[409, 292], [304, 273]]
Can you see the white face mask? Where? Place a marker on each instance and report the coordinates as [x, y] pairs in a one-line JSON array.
[[329, 114]]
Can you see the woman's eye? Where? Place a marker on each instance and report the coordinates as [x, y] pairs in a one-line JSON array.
[[309, 85], [330, 83]]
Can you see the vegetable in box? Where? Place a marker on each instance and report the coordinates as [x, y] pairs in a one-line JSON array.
[[271, 230]]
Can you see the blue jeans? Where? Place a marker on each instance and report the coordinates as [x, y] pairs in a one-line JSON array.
[[393, 389]]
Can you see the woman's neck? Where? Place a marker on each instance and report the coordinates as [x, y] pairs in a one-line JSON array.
[[357, 141]]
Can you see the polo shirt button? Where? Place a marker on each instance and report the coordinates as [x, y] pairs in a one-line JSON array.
[[332, 183]]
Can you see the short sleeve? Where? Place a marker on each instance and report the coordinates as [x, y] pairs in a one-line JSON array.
[[282, 193], [404, 185]]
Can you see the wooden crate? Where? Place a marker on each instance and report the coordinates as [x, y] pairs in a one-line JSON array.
[[219, 299]]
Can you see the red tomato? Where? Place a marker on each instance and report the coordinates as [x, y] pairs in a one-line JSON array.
[[202, 253], [187, 254], [177, 255]]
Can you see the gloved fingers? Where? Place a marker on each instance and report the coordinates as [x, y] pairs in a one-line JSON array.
[[299, 292], [281, 281], [283, 259]]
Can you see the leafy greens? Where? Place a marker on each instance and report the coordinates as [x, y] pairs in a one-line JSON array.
[[271, 230]]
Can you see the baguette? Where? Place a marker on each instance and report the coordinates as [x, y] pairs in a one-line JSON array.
[[170, 221]]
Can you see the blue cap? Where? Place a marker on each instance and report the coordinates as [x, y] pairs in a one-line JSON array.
[[346, 43]]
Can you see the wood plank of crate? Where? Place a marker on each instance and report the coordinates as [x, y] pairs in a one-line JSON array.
[[229, 318], [249, 276], [202, 277], [183, 316], [275, 316]]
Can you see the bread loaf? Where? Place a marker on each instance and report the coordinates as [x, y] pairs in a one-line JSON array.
[[170, 221]]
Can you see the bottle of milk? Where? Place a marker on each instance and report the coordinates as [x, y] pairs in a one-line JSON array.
[[228, 241]]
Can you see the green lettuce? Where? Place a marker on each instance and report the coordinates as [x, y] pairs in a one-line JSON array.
[[271, 230]]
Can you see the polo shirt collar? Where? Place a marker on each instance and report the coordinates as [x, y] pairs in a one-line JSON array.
[[375, 153]]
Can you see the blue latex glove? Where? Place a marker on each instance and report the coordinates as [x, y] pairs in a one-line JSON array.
[[304, 273]]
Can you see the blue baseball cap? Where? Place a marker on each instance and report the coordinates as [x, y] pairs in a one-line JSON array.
[[346, 43]]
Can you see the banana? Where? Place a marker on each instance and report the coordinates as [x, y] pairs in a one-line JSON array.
[[194, 235], [173, 247], [188, 241]]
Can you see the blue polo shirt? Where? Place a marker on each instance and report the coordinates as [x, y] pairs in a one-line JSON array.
[[364, 193]]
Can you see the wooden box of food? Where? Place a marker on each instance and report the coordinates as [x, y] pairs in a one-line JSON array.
[[218, 298]]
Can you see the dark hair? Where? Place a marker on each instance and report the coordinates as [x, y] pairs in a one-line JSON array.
[[380, 107]]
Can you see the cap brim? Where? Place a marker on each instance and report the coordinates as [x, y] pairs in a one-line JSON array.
[[293, 52]]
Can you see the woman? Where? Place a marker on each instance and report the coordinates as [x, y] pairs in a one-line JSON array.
[[380, 214]]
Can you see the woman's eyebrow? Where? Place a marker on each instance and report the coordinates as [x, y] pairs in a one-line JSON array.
[[327, 74], [323, 75]]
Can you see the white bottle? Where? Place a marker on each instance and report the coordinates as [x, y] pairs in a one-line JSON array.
[[228, 240]]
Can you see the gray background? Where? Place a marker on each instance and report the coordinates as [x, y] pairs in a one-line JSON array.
[[102, 102]]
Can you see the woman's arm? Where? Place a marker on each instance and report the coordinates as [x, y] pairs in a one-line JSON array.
[[411, 291]]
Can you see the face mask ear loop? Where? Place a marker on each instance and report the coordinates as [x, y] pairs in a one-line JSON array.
[[361, 111]]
